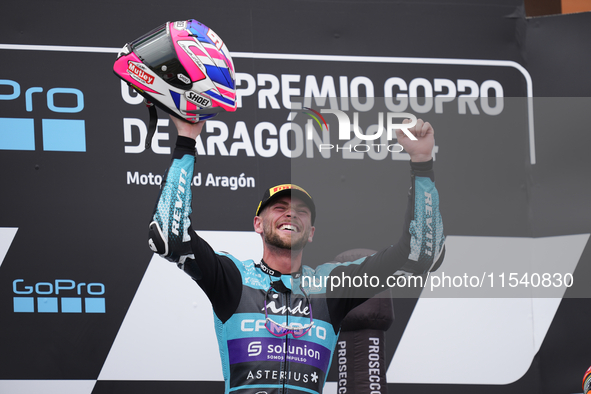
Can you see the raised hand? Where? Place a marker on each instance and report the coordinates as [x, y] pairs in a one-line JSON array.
[[186, 129], [422, 148]]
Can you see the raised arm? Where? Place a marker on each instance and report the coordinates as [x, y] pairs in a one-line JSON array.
[[421, 247], [171, 234], [427, 242]]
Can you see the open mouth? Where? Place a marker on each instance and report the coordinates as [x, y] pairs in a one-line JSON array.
[[288, 227]]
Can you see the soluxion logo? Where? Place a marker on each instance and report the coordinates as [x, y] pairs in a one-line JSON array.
[[378, 136]]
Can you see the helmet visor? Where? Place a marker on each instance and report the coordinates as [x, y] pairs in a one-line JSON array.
[[156, 50]]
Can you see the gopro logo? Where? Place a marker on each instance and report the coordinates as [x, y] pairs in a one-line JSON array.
[[61, 295]]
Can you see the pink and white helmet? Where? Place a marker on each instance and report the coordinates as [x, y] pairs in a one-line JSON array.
[[183, 67]]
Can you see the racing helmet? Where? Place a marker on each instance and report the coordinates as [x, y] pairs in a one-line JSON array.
[[587, 382], [184, 68]]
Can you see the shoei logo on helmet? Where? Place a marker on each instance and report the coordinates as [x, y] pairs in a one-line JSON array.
[[184, 78], [135, 70], [197, 99]]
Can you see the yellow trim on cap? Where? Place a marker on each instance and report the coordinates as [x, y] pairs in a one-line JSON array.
[[278, 188]]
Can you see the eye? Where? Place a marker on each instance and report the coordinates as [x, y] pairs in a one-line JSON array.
[[304, 212]]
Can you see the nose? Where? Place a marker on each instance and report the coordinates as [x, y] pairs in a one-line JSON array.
[[291, 212]]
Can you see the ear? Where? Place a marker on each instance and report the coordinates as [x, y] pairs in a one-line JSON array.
[[258, 224], [311, 234]]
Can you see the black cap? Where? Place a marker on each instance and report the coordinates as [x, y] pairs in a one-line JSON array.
[[287, 189]]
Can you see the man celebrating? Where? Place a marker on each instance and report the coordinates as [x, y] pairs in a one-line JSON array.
[[276, 331]]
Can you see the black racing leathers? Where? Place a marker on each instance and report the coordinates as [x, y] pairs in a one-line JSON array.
[[253, 359]]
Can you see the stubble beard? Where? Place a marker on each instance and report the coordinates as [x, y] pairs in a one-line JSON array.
[[272, 238]]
